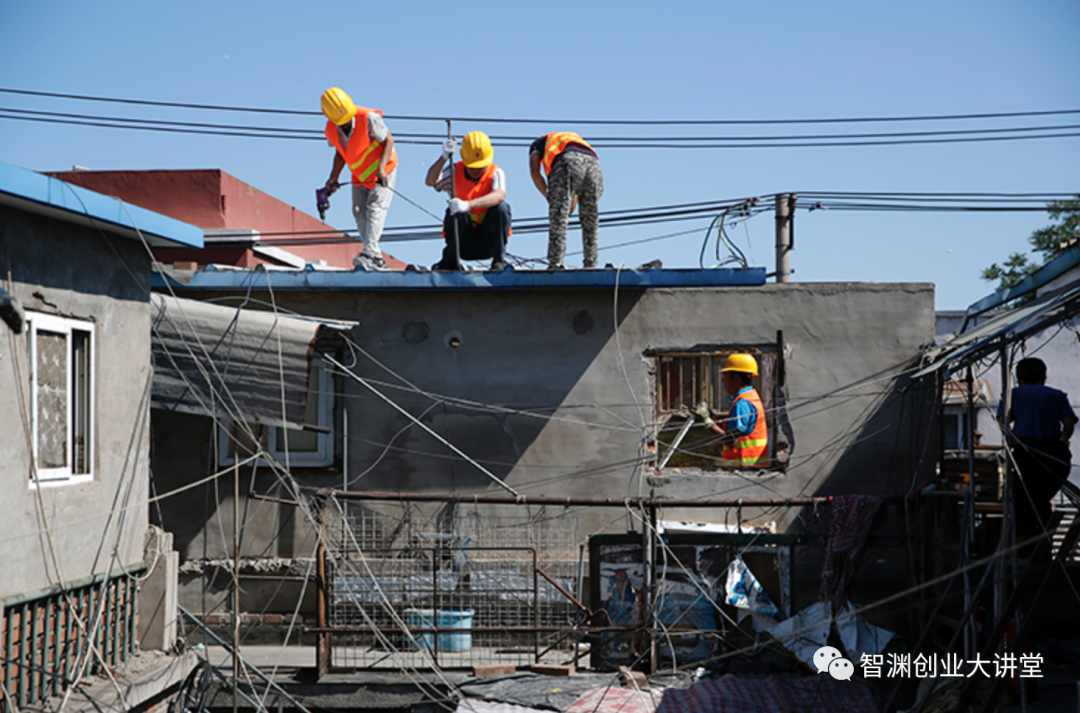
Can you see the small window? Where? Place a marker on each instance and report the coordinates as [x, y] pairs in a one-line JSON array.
[[954, 425], [62, 399], [684, 380], [312, 446]]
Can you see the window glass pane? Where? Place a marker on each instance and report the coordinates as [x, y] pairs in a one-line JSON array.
[[81, 416], [52, 399]]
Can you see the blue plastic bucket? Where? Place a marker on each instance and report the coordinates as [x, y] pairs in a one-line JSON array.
[[455, 619], [421, 619]]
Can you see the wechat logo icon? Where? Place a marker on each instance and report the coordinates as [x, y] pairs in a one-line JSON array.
[[827, 659]]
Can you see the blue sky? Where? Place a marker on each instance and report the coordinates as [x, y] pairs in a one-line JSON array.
[[575, 61]]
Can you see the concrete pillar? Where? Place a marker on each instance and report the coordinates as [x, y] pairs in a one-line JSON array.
[[156, 628]]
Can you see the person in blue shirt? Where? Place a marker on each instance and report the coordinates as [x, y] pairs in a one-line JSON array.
[[744, 436], [1040, 423]]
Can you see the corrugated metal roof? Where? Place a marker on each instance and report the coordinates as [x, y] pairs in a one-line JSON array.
[[1011, 326], [37, 193], [314, 279]]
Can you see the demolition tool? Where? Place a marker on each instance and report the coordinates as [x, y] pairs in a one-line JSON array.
[[322, 198], [678, 439]]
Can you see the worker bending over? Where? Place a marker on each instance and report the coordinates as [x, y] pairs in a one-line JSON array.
[[1042, 424], [744, 435], [362, 142], [477, 216], [573, 174]]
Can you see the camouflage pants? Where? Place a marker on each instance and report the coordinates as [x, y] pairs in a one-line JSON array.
[[574, 174]]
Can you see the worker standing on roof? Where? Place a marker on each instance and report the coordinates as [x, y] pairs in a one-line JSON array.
[[478, 207], [573, 175], [1042, 424], [744, 435], [366, 146]]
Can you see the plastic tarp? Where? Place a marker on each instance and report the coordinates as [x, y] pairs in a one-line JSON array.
[[806, 632], [745, 592], [220, 361], [860, 637]]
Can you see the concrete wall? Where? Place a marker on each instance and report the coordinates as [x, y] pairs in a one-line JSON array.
[[76, 272], [546, 393]]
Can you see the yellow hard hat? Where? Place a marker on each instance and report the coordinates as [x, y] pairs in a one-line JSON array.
[[476, 150], [741, 362], [338, 106]]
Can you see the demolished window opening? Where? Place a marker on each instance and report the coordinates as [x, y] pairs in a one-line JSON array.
[[62, 366], [685, 378]]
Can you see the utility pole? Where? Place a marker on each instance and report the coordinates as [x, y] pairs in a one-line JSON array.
[[785, 235]]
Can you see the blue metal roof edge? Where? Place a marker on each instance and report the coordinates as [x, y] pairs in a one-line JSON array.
[[81, 204], [310, 279], [1051, 270]]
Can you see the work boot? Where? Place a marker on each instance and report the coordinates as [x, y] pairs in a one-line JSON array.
[[369, 263], [444, 266], [498, 266]]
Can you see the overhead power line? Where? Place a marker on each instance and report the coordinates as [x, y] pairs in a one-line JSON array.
[[593, 122], [597, 140], [638, 142]]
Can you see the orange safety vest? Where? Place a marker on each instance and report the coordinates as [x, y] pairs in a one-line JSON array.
[[557, 143], [466, 189], [751, 451], [361, 155]]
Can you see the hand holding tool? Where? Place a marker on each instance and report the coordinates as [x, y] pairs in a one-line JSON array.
[[322, 197]]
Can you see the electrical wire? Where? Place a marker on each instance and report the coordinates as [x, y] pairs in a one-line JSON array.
[[635, 122]]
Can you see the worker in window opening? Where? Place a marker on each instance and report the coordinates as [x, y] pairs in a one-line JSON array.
[[477, 204], [1042, 422], [744, 435], [573, 175], [366, 146]]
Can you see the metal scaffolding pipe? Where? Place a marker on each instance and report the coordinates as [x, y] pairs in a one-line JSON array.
[[571, 501]]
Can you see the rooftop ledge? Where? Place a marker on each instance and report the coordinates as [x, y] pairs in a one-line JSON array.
[[216, 277]]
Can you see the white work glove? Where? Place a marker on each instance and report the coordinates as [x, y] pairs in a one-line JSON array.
[[449, 147], [703, 411], [458, 205]]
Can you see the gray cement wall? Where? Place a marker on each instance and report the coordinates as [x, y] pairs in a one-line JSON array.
[[551, 391], [75, 272]]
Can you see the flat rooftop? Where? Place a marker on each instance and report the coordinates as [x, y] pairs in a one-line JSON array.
[[222, 278]]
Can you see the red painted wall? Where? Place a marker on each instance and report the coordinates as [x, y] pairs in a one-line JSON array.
[[213, 199]]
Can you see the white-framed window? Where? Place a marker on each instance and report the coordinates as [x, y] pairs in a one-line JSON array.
[[308, 447], [62, 366]]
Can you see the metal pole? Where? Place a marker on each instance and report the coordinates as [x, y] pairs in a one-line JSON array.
[[453, 194], [470, 499], [344, 477], [783, 238], [969, 510], [236, 581]]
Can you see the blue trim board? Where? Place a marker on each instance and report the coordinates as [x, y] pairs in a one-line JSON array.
[[311, 279], [36, 192]]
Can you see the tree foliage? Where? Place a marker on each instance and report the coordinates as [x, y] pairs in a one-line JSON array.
[[1044, 242]]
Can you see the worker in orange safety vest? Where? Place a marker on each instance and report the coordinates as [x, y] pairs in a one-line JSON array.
[[744, 435], [477, 215], [364, 144], [573, 173]]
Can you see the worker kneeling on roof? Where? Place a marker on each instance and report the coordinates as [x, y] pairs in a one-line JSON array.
[[573, 174], [477, 221], [744, 435], [367, 147]]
